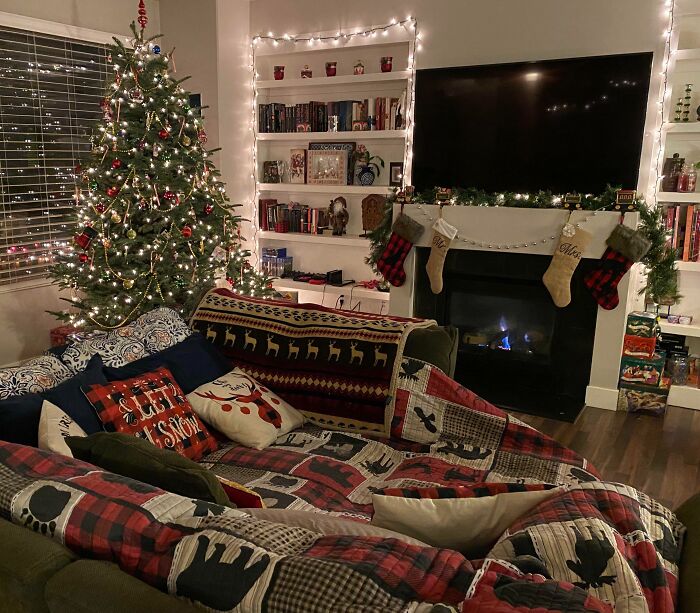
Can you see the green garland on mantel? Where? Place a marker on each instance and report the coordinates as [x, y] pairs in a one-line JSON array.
[[662, 275]]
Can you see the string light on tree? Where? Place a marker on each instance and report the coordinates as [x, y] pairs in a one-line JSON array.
[[146, 172]]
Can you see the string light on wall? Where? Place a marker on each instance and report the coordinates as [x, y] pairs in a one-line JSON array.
[[331, 41], [668, 17]]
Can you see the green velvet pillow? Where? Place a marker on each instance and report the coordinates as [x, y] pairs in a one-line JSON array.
[[127, 455], [436, 345]]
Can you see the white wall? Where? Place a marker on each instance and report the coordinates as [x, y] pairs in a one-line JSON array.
[[23, 318]]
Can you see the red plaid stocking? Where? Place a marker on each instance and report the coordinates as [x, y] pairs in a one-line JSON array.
[[604, 279], [405, 232]]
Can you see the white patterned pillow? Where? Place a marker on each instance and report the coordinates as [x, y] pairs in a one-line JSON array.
[[161, 328], [36, 375], [116, 348]]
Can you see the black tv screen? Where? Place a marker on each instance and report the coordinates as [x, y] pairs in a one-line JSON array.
[[560, 125]]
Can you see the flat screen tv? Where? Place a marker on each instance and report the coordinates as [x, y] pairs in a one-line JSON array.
[[560, 125]]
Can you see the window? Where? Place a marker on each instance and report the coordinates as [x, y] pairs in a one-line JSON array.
[[50, 92]]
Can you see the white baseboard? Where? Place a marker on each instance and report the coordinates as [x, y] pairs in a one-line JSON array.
[[601, 398]]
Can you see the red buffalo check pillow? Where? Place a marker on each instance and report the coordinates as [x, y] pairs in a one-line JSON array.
[[152, 406]]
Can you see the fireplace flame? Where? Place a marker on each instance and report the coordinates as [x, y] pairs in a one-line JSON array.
[[502, 324]]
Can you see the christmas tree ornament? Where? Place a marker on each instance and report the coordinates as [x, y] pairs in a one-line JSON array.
[[93, 185], [115, 218], [572, 243], [106, 243], [208, 209], [156, 49], [131, 234], [168, 195], [83, 257], [112, 191], [100, 207], [443, 235], [202, 136], [116, 164], [143, 17], [84, 239], [186, 140], [625, 247], [135, 94], [404, 233], [128, 283], [163, 134], [186, 231]]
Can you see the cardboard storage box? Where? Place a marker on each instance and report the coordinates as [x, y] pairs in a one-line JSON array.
[[641, 324], [646, 399], [644, 371]]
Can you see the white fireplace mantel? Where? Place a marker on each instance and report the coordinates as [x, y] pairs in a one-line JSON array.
[[508, 226]]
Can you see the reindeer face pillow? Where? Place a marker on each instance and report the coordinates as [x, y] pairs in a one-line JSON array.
[[244, 410]]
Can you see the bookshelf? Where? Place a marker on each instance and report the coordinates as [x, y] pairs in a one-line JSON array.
[[321, 253]]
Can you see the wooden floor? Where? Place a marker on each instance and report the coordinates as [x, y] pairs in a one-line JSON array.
[[659, 456]]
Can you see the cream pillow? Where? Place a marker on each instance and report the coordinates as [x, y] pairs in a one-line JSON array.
[[54, 427], [467, 525], [244, 410]]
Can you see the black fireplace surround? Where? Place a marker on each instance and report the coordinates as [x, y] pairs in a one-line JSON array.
[[516, 348]]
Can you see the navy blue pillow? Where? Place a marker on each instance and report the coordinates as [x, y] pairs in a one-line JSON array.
[[193, 362], [19, 419], [69, 397]]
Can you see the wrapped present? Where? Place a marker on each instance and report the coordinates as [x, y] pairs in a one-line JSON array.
[[646, 371], [639, 346], [640, 323], [59, 335], [651, 400]]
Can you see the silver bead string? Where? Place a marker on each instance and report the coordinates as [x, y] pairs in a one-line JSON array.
[[522, 245]]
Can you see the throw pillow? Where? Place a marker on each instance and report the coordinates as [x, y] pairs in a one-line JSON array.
[[469, 525], [152, 406], [34, 376], [69, 396], [161, 328], [116, 348], [436, 345], [136, 458], [193, 362], [19, 419], [240, 496], [54, 427], [245, 411]]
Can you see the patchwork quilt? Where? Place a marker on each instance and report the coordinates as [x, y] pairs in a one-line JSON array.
[[228, 561]]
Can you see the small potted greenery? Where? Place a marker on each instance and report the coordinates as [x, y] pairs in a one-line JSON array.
[[369, 165]]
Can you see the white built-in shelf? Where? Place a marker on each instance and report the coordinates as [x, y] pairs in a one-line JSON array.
[[301, 137], [347, 290], [319, 239], [302, 188], [263, 49], [684, 396], [687, 54], [374, 77], [684, 127], [683, 329], [688, 266], [679, 197]]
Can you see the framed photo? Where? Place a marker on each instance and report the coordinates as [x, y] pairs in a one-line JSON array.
[[297, 166], [273, 171], [395, 174], [339, 146], [327, 167]]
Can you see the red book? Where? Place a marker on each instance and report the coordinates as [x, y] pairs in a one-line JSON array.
[[695, 243], [670, 222], [688, 232], [264, 205]]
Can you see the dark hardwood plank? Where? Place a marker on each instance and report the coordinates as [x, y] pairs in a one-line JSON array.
[[657, 455]]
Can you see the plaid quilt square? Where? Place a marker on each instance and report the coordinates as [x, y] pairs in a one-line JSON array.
[[152, 406]]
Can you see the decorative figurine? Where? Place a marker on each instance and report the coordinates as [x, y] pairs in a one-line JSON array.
[[372, 212], [572, 202], [625, 200], [443, 195], [679, 110], [686, 101], [339, 216], [331, 68], [279, 73], [359, 68], [387, 63], [306, 72]]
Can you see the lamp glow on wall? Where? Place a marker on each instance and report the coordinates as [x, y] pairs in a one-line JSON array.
[[329, 41]]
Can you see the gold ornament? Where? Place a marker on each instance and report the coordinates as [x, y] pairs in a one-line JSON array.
[[115, 218], [128, 283], [131, 234], [186, 141], [107, 243]]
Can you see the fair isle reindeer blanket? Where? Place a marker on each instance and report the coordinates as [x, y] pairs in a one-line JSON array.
[[225, 560], [337, 367]]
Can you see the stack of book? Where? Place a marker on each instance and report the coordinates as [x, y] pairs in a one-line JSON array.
[[368, 114], [683, 227], [292, 217]]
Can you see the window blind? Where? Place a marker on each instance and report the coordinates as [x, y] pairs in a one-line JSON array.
[[50, 92]]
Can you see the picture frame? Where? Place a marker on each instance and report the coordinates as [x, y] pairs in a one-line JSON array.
[[327, 167], [297, 166], [273, 171], [348, 146], [395, 174]]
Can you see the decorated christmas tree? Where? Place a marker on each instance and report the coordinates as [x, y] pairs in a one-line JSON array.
[[155, 227]]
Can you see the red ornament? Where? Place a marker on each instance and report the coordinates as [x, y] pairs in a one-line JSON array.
[[142, 18], [169, 195], [208, 209], [186, 231], [163, 134], [202, 136], [83, 257], [112, 191], [84, 239], [116, 164], [100, 208]]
